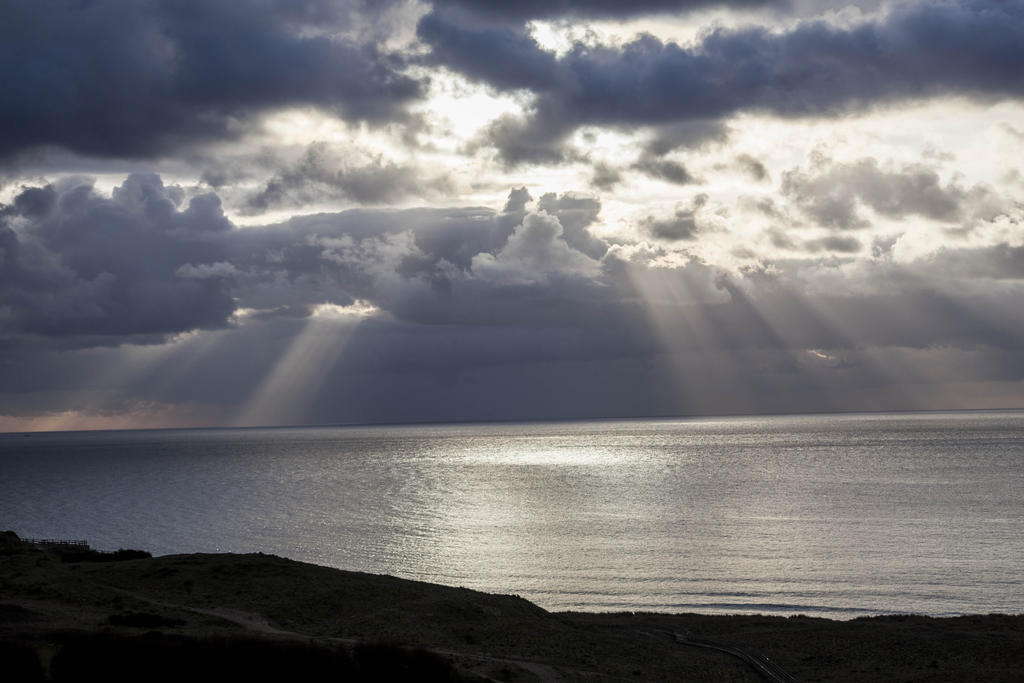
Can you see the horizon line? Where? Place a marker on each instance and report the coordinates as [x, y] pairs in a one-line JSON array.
[[533, 420]]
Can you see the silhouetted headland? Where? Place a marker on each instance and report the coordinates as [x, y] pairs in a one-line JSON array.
[[69, 612]]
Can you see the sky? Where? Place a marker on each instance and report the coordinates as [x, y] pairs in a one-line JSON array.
[[268, 212]]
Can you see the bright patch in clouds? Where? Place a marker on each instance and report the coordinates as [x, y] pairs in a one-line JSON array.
[[354, 311]]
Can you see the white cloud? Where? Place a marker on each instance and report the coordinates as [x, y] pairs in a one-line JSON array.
[[534, 253]]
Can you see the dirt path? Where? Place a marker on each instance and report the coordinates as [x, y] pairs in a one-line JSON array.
[[765, 667], [250, 621]]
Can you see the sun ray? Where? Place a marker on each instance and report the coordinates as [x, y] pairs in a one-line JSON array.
[[289, 387]]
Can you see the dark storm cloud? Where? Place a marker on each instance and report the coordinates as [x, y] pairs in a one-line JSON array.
[[685, 134], [842, 244], [406, 261], [79, 265], [830, 193], [136, 78], [513, 59], [518, 198], [971, 48], [665, 169], [321, 174], [523, 269], [752, 167], [519, 305], [605, 176], [764, 206], [576, 213], [537, 138], [682, 225], [146, 261], [82, 269]]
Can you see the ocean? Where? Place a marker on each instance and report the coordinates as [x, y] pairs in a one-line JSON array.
[[825, 515]]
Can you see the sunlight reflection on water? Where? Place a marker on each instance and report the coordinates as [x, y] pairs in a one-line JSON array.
[[830, 515]]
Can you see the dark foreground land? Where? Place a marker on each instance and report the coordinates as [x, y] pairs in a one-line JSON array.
[[74, 614]]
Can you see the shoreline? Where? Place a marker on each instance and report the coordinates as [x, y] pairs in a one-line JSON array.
[[52, 603]]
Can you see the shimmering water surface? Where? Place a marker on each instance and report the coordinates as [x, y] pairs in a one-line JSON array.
[[827, 515]]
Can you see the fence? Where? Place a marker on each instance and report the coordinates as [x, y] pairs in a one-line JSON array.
[[57, 541]]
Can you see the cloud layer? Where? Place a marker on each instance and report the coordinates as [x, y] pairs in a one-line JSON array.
[[814, 69], [319, 212], [131, 78], [467, 291]]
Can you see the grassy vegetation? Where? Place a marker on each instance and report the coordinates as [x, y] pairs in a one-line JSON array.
[[64, 617]]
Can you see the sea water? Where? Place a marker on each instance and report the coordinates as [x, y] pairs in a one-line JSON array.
[[835, 515]]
